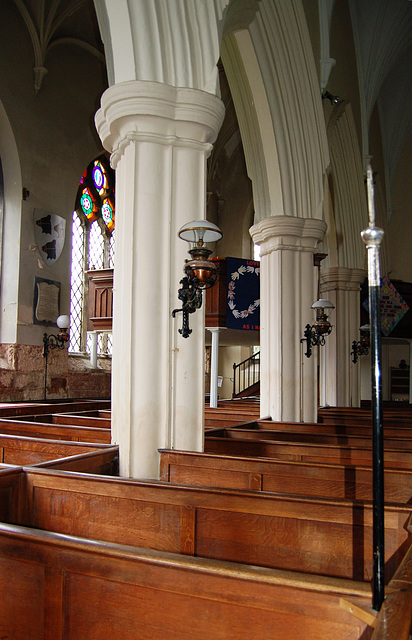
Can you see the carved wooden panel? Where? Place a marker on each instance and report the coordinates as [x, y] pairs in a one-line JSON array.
[[100, 311]]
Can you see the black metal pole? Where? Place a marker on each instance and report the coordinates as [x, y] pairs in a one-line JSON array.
[[373, 238]]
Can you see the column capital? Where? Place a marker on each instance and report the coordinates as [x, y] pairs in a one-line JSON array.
[[151, 111], [342, 278], [288, 232]]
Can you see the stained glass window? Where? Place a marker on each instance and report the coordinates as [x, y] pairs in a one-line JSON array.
[[93, 232]]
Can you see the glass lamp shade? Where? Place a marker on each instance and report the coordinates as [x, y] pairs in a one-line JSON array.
[[200, 232], [63, 322], [322, 304], [322, 324]]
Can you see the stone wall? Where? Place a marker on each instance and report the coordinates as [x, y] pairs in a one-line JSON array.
[[22, 375]]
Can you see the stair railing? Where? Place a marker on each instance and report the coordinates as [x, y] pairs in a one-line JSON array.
[[246, 373]]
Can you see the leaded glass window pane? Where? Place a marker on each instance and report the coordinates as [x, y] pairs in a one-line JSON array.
[[93, 246], [77, 284]]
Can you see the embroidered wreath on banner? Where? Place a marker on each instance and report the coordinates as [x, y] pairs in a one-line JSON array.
[[235, 276]]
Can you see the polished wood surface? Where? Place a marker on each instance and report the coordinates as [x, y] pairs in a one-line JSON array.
[[324, 536], [54, 587], [266, 521], [306, 452], [52, 431], [282, 476], [24, 451]]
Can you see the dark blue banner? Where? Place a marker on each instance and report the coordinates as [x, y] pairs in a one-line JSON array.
[[243, 294]]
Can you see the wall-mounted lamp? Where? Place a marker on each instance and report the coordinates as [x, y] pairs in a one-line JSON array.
[[200, 272], [315, 335], [55, 342], [326, 95], [361, 348]]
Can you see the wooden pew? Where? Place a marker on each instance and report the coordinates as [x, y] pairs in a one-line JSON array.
[[348, 415], [10, 480], [19, 450], [306, 452], [39, 408], [395, 617], [329, 537], [81, 421], [54, 587], [54, 431], [337, 429], [103, 461], [282, 476], [241, 432]]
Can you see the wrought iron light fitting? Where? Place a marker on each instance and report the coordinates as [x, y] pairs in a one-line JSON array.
[[52, 341], [361, 347], [200, 272], [315, 335]]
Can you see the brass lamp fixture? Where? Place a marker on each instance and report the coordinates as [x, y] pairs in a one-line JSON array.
[[55, 342], [315, 335], [361, 347], [200, 272]]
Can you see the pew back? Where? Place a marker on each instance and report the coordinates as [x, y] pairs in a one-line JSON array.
[[54, 587], [321, 536], [282, 476]]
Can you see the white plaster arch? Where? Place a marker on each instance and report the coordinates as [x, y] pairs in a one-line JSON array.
[[175, 43], [10, 245], [346, 184], [272, 76]]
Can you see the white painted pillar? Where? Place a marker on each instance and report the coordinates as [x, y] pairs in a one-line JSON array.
[[93, 349], [341, 286], [159, 137], [288, 289], [214, 366]]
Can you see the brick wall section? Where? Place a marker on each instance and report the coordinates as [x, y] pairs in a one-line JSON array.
[[22, 370]]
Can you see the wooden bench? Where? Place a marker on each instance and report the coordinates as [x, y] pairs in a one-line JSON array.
[[10, 480], [345, 415], [337, 429], [54, 587], [103, 461], [81, 420], [19, 450], [395, 617], [329, 537], [53, 431], [282, 476], [39, 408], [275, 435], [309, 452]]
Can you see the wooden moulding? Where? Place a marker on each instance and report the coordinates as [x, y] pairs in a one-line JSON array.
[[394, 620], [282, 476], [329, 537], [40, 430], [54, 587]]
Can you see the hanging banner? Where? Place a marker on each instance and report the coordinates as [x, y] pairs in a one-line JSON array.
[[243, 294], [392, 306]]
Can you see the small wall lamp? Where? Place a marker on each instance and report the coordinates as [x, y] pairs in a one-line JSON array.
[[361, 347], [55, 342], [315, 335], [200, 272]]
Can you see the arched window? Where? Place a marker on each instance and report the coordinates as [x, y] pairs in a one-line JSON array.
[[93, 231]]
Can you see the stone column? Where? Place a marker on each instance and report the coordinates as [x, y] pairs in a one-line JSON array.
[[341, 286], [214, 366], [288, 289], [159, 138]]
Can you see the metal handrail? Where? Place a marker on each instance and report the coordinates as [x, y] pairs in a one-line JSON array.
[[246, 373]]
